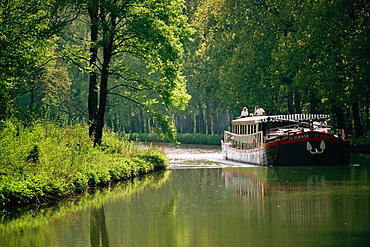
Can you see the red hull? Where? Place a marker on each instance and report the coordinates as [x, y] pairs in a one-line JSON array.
[[308, 148], [301, 148]]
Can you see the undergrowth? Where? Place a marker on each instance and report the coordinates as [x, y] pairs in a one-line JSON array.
[[45, 162]]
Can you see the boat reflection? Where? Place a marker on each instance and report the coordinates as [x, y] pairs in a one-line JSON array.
[[308, 200], [263, 181]]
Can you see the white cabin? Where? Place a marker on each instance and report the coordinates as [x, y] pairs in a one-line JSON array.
[[252, 132]]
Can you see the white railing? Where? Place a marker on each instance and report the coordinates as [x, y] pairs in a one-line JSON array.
[[243, 141], [296, 117]]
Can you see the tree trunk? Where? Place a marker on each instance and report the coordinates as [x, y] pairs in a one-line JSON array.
[[93, 90], [297, 102], [208, 119], [188, 124], [367, 117], [313, 102], [339, 115], [288, 82], [107, 54], [357, 120], [290, 102], [200, 122]]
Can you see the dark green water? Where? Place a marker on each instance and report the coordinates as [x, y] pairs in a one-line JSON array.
[[204, 201]]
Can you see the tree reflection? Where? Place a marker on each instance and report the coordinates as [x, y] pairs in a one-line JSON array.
[[98, 229]]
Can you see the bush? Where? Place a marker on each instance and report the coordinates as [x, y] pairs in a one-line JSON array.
[[44, 161]]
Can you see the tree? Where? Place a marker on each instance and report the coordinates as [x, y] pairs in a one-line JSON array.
[[150, 30], [27, 29], [292, 56]]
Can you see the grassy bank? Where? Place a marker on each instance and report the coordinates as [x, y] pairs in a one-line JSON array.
[[193, 138], [45, 162]]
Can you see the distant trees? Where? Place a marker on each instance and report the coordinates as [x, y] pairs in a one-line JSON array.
[[292, 56], [26, 29]]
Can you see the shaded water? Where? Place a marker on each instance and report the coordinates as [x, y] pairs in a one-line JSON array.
[[190, 204]]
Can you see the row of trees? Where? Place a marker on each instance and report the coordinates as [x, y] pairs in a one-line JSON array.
[[291, 56], [119, 62]]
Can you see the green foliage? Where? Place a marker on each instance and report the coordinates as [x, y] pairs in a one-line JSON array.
[[360, 145], [200, 139], [44, 161], [188, 138], [124, 34], [288, 56], [155, 157], [26, 30]]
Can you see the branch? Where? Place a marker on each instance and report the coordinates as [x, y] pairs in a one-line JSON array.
[[124, 85], [122, 40], [127, 85], [150, 111]]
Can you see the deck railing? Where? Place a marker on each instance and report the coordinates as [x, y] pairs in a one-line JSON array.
[[244, 141]]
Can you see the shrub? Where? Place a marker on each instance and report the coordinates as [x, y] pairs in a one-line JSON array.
[[44, 161]]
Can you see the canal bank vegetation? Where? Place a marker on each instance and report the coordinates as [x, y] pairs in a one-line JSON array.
[[74, 62], [123, 66], [358, 145], [187, 138], [45, 162]]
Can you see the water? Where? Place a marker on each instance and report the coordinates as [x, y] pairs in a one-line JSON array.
[[190, 204]]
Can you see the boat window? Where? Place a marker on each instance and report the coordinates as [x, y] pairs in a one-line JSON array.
[[245, 129]]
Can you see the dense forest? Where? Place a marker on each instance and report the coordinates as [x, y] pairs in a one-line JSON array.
[[140, 66]]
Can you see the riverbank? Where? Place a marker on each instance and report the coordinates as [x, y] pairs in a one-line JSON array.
[[45, 162], [186, 138], [357, 145]]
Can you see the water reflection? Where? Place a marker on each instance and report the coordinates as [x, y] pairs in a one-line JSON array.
[[76, 222], [331, 202], [281, 180], [230, 205], [98, 229]]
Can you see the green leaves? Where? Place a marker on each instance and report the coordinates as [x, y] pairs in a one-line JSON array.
[[146, 29], [44, 162], [26, 30], [285, 55]]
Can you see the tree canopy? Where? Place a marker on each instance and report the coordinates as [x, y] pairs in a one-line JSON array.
[[292, 56], [120, 31]]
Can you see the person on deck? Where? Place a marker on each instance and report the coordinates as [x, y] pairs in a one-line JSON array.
[[244, 113], [259, 111]]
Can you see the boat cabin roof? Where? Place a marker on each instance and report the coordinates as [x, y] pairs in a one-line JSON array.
[[250, 120], [281, 118]]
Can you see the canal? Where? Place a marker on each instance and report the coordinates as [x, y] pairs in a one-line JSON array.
[[203, 200]]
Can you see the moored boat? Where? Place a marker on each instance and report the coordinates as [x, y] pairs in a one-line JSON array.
[[294, 139]]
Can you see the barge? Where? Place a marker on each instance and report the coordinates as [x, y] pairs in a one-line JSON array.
[[286, 140]]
